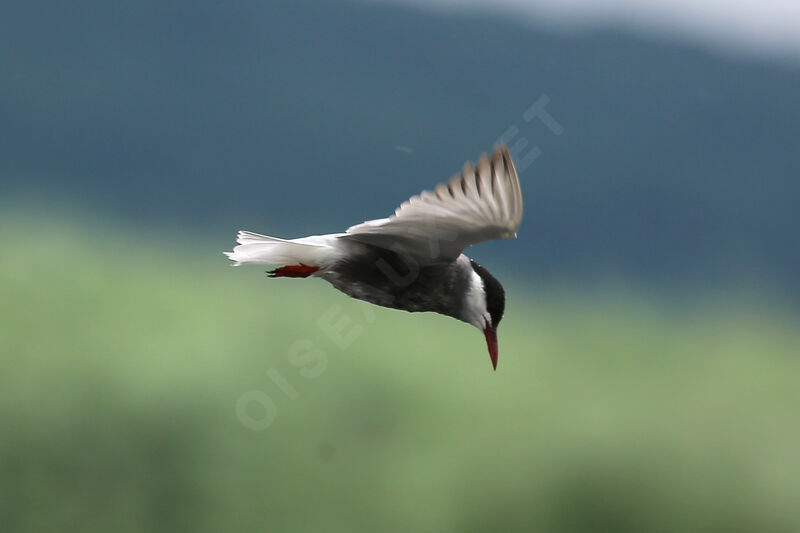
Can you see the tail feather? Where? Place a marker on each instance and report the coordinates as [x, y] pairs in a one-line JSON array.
[[259, 249]]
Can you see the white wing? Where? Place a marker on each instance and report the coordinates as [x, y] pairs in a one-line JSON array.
[[482, 203]]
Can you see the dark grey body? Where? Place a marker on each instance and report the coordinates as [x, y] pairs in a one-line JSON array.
[[384, 278]]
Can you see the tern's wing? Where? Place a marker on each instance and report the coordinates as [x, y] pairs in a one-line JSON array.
[[482, 203]]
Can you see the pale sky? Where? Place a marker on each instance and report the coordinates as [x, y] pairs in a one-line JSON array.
[[761, 27]]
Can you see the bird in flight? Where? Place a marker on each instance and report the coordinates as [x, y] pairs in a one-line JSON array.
[[413, 259]]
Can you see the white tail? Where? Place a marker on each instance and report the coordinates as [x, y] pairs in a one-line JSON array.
[[253, 248]]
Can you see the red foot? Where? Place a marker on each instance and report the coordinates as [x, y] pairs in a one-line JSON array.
[[293, 271]]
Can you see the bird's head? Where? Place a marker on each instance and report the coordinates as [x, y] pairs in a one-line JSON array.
[[484, 304]]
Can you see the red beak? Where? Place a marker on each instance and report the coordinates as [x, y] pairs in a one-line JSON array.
[[491, 342]]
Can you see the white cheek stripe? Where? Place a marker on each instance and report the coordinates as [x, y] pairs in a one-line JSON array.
[[475, 302]]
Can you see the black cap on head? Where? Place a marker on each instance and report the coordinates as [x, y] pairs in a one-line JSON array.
[[495, 295]]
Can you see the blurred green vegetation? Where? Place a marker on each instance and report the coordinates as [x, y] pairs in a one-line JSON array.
[[123, 361]]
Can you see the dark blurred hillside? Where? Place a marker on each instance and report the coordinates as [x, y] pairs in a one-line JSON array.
[[674, 165]]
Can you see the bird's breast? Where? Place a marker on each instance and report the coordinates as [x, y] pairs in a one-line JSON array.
[[385, 278]]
